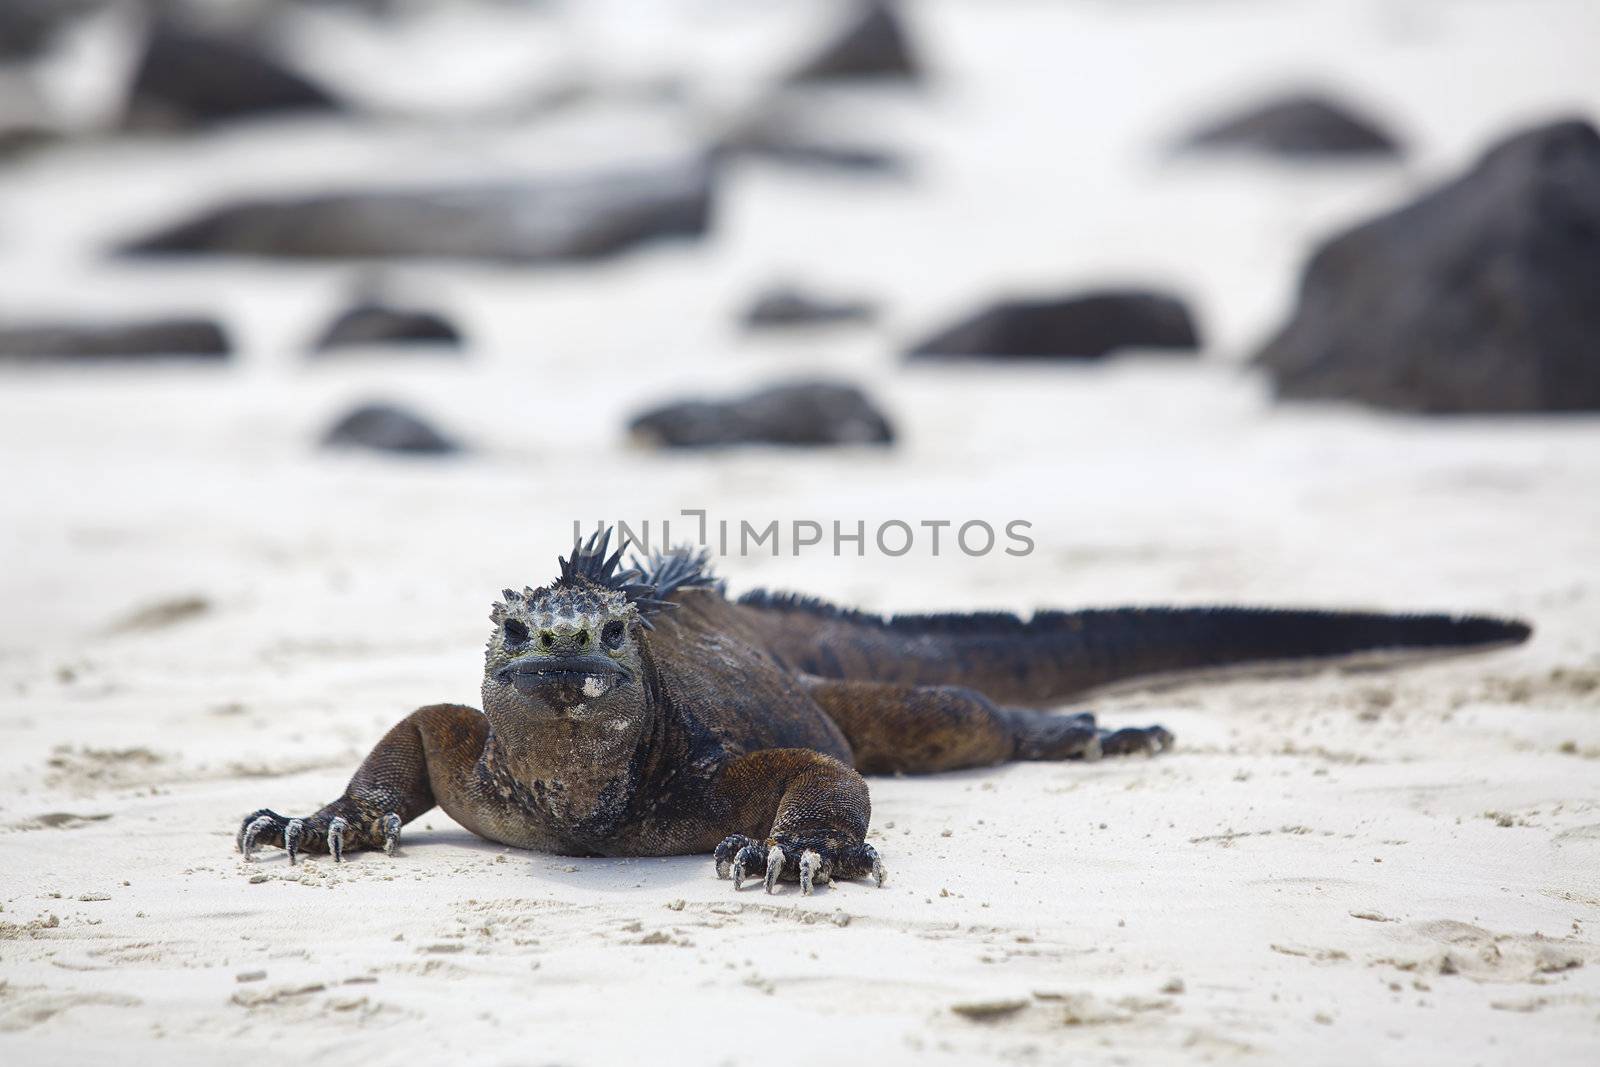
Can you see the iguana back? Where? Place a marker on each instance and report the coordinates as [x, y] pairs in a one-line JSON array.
[[1056, 656]]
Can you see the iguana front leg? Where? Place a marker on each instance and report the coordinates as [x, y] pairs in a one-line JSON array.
[[429, 753], [810, 812]]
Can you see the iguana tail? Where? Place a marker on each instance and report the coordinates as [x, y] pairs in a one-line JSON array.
[[1057, 655]]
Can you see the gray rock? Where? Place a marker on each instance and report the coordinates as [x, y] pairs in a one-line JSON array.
[[786, 306], [29, 27], [188, 78], [1303, 126], [373, 323], [17, 142], [375, 9], [569, 218], [163, 338], [386, 428], [1482, 296], [1083, 326], [27, 122], [784, 132], [804, 413], [872, 43]]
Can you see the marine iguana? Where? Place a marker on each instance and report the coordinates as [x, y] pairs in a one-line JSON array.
[[640, 712]]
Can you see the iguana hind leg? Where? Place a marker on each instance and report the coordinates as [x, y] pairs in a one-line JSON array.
[[810, 813], [902, 729], [431, 750]]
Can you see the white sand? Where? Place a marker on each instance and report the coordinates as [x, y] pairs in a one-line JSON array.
[[1400, 867]]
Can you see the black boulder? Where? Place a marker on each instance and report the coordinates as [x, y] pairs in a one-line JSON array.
[[1481, 296], [799, 414]]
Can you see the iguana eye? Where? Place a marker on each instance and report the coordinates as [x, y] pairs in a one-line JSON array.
[[612, 634], [516, 633]]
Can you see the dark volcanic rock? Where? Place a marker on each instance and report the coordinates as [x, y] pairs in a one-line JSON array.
[[187, 78], [377, 9], [1087, 326], [805, 413], [27, 27], [871, 44], [385, 428], [19, 141], [1482, 296], [372, 323], [28, 122], [186, 338], [820, 153], [785, 306], [570, 218], [1299, 126], [787, 134]]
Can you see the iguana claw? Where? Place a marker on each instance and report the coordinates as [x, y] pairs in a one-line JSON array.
[[811, 864], [249, 831], [878, 871], [748, 861], [774, 866], [811, 870], [726, 852], [391, 833]]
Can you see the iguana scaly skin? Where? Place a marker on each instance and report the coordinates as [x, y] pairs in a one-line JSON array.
[[612, 726]]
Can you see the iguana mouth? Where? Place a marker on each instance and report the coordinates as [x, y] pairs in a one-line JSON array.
[[592, 676]]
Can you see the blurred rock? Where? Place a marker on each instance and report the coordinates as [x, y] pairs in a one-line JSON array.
[[29, 27], [373, 323], [386, 428], [26, 122], [567, 218], [872, 43], [804, 413], [1086, 326], [162, 338], [377, 9], [1482, 296], [163, 614], [19, 141], [190, 78], [780, 134], [821, 154], [788, 306], [1306, 125], [23, 133]]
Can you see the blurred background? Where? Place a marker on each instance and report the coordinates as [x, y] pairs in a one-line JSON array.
[[488, 244]]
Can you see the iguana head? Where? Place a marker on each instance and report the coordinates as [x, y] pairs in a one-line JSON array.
[[572, 649]]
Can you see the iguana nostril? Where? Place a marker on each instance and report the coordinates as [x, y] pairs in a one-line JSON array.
[[583, 638], [546, 638]]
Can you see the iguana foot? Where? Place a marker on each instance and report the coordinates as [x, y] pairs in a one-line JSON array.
[[1132, 740], [1042, 736], [314, 834], [793, 858]]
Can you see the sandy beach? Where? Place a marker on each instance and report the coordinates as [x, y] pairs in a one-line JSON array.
[[204, 614]]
